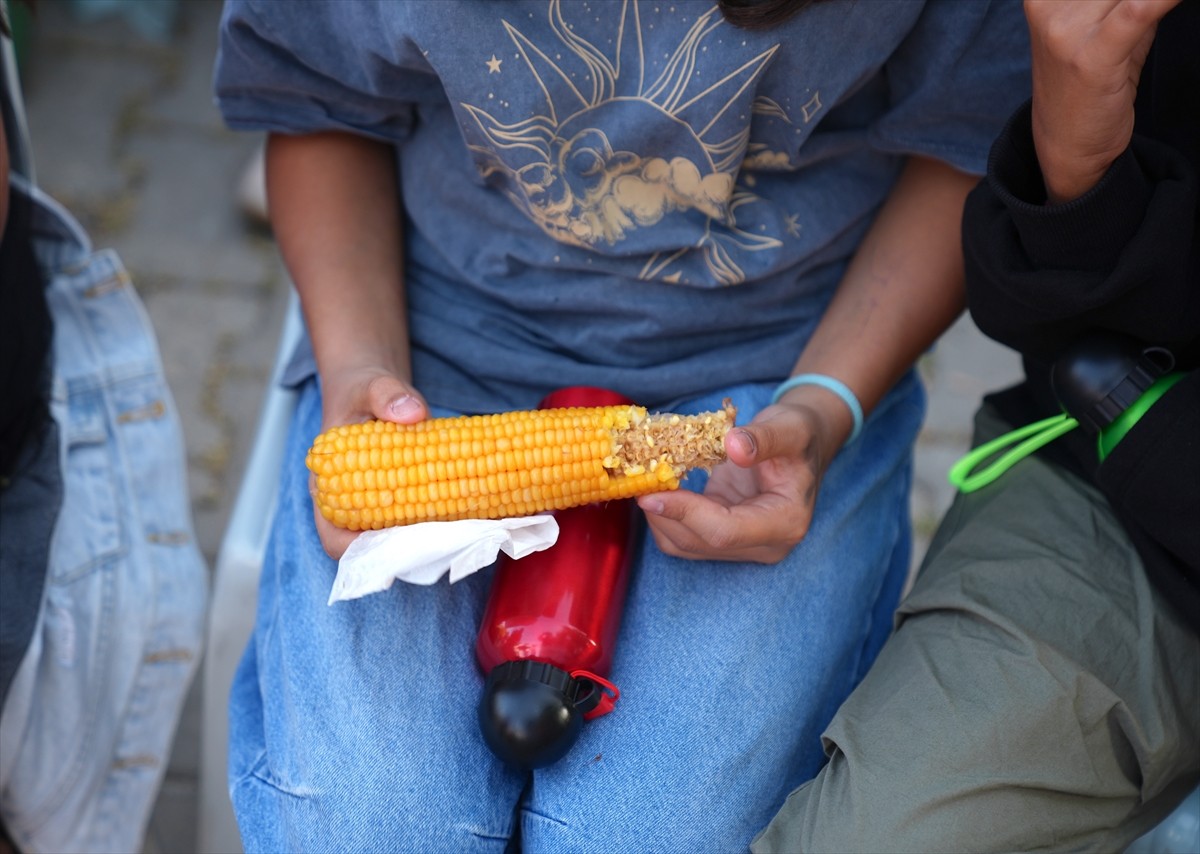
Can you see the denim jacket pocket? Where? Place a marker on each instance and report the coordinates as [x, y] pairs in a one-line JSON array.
[[90, 497]]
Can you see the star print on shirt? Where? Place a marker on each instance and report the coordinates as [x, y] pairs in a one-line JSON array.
[[572, 167], [493, 65]]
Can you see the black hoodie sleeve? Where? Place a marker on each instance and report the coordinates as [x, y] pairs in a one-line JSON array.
[[1122, 257], [1125, 257]]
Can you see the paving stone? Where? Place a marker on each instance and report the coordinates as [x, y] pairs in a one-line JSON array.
[[186, 217], [242, 397], [185, 753], [173, 825], [190, 102], [240, 392], [932, 492], [198, 330], [75, 134], [257, 351], [964, 366], [210, 514], [142, 25]]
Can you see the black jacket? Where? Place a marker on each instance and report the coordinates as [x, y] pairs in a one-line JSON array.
[[1123, 258]]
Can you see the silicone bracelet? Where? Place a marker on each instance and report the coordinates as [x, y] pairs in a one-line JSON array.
[[829, 383]]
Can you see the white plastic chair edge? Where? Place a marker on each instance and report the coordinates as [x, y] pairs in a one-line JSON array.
[[235, 594]]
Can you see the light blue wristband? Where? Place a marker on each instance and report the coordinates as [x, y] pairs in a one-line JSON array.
[[836, 386]]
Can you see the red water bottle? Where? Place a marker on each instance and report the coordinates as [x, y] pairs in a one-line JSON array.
[[547, 635]]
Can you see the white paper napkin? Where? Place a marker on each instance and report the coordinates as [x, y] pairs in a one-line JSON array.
[[423, 553]]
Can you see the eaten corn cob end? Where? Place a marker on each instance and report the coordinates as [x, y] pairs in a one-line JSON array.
[[378, 474]]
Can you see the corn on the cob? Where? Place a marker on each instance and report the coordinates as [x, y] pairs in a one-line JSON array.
[[378, 474]]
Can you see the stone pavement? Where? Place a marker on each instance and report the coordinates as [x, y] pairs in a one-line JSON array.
[[126, 135]]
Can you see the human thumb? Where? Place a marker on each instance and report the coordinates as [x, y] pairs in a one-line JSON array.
[[741, 446], [393, 400]]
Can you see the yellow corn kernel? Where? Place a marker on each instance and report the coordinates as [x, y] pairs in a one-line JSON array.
[[378, 474]]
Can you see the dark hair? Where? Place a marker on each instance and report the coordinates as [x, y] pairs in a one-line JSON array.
[[25, 333], [761, 14], [25, 323]]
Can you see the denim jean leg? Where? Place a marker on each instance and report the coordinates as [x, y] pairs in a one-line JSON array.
[[729, 673], [353, 726]]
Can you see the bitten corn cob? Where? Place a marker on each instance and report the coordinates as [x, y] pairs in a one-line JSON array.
[[378, 474]]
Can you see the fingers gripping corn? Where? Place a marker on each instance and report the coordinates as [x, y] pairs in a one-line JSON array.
[[377, 474]]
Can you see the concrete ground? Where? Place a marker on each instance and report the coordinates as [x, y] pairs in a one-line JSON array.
[[126, 135]]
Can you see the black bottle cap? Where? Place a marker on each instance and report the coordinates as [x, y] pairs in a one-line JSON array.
[[1101, 376], [531, 712]]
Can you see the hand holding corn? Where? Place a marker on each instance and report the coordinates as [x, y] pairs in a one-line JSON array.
[[378, 474]]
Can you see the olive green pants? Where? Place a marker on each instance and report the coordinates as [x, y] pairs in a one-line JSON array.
[[1036, 695]]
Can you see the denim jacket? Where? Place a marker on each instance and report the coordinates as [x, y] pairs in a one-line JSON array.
[[88, 722]]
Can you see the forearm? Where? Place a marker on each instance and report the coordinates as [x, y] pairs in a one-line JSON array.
[[902, 288], [1121, 258], [1087, 60], [901, 291], [335, 211]]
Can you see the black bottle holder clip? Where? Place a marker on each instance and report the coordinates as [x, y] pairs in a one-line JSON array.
[[1095, 381]]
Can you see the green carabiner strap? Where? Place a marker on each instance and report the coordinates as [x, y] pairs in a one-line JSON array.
[[1035, 435]]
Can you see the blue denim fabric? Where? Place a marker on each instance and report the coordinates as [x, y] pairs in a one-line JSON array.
[[88, 724], [353, 726]]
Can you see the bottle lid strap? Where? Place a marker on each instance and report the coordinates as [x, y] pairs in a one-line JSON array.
[[1012, 448]]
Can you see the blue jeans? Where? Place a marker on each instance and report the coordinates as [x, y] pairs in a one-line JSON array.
[[353, 726], [87, 726]]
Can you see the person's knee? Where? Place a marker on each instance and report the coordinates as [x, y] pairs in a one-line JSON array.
[[848, 809]]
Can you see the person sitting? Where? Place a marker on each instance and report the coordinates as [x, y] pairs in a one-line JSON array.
[[1041, 690]]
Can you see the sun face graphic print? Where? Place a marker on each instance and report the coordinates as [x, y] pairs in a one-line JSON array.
[[614, 161]]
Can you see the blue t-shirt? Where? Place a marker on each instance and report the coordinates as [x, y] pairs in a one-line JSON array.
[[635, 195]]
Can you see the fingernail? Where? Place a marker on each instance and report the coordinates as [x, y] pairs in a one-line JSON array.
[[745, 441], [651, 505], [404, 406]]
